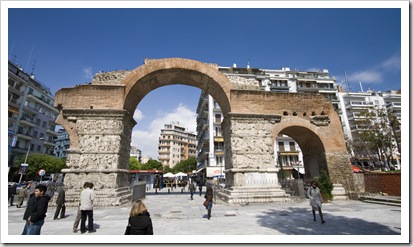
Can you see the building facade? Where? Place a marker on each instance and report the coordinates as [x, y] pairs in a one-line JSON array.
[[356, 111], [176, 144], [31, 115], [62, 143], [210, 148]]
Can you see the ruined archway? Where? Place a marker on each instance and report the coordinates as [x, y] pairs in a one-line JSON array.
[[98, 117]]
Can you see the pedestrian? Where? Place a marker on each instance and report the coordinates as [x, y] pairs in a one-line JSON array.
[[21, 196], [140, 220], [60, 202], [208, 198], [87, 198], [32, 188], [316, 200], [36, 211], [77, 218], [191, 188], [200, 188], [12, 191]]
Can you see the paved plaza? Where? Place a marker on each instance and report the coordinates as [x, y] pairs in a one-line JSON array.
[[178, 218]]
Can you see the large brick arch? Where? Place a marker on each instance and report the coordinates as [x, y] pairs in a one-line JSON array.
[[98, 117], [169, 71]]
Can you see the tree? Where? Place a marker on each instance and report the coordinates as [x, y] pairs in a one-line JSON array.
[[377, 136], [37, 161], [325, 185], [134, 164], [152, 165], [185, 166]]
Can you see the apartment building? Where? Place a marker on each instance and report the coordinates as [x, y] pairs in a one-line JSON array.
[[210, 158], [354, 108], [31, 115], [176, 144], [62, 144]]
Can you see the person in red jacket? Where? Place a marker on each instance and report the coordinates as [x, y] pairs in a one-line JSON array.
[[36, 211], [140, 220]]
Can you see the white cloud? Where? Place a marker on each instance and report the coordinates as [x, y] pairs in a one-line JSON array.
[[87, 73], [147, 140], [366, 76], [393, 63], [138, 115]]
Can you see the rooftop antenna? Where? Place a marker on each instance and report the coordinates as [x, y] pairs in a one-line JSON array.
[[27, 65], [34, 64], [11, 51], [361, 87], [346, 80], [248, 65]]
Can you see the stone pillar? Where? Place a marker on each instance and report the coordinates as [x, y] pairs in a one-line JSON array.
[[250, 170], [99, 155]]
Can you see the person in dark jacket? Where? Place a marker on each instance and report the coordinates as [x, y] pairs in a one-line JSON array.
[[60, 201], [209, 198], [12, 191], [36, 211], [139, 219]]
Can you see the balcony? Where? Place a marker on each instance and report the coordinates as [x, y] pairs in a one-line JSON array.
[[50, 144], [51, 132], [24, 135], [359, 128], [394, 106], [359, 104], [27, 122], [356, 116], [43, 103]]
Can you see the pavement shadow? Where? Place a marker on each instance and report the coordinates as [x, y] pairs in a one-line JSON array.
[[300, 221]]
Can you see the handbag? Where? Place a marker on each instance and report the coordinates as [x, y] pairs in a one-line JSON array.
[[205, 203], [127, 231]]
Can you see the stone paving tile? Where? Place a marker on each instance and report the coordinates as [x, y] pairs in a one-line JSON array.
[[174, 214]]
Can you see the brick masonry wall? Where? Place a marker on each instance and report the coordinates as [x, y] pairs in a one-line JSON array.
[[389, 183]]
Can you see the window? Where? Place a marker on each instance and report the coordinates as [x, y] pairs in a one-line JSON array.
[[218, 118], [292, 146], [281, 146]]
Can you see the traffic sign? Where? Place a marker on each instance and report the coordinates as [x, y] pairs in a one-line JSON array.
[[42, 172]]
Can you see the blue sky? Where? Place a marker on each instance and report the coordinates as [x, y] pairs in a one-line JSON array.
[[68, 46]]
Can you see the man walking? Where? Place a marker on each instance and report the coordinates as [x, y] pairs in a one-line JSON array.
[[12, 191], [21, 195], [60, 201], [192, 189]]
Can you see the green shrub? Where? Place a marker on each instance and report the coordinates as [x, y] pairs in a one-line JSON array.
[[325, 185]]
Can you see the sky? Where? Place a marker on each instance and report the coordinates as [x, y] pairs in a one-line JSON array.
[[65, 46]]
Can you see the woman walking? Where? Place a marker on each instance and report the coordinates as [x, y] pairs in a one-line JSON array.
[[208, 197], [315, 200]]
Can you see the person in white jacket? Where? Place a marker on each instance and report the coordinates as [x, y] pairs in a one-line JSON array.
[[316, 200], [87, 198]]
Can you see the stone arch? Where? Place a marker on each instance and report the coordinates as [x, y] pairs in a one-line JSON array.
[[98, 117], [170, 71]]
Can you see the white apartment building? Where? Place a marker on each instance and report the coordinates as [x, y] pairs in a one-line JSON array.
[[210, 148], [353, 109], [31, 115], [176, 144]]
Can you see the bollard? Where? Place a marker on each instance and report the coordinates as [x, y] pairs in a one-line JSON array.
[[169, 190], [156, 191], [182, 190]]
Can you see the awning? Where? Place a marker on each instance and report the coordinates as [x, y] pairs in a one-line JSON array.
[[200, 169], [13, 109], [299, 169], [356, 169]]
